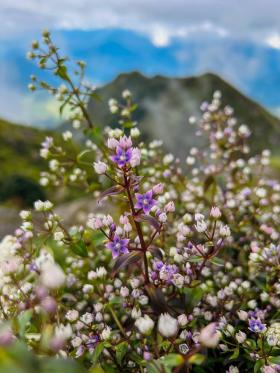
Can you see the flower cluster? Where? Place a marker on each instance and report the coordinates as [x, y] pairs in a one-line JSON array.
[[177, 269]]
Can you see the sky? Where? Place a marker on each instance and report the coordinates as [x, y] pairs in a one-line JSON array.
[[237, 39]]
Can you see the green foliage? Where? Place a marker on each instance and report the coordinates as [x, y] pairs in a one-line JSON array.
[[21, 189]]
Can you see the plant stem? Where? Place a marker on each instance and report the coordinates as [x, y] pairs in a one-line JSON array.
[[138, 228]]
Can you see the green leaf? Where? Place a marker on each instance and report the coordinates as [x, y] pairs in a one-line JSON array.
[[197, 359], [97, 369], [172, 360], [274, 359], [23, 320], [97, 352], [258, 365], [79, 248], [121, 350], [235, 354], [62, 73]]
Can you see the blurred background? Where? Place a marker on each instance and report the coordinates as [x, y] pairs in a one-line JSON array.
[[172, 55]]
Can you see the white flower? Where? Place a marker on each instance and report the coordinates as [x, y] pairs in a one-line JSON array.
[[25, 214], [63, 331], [168, 158], [201, 226], [76, 342], [87, 318], [243, 315], [162, 217], [112, 143], [134, 132], [167, 325], [135, 313], [58, 236], [87, 288], [52, 275], [190, 160], [144, 324], [209, 336], [101, 272], [224, 231], [67, 135], [43, 206], [106, 333], [100, 167], [124, 291], [178, 280], [126, 94], [135, 157], [72, 315], [182, 320], [240, 337], [215, 213]]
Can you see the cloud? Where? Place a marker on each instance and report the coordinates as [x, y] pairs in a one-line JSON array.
[[160, 20], [273, 40]]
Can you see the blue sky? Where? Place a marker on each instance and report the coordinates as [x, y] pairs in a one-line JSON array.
[[239, 40]]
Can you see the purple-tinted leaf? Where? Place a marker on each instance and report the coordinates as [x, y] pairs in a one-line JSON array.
[[148, 219], [157, 298], [156, 252], [125, 260], [116, 189]]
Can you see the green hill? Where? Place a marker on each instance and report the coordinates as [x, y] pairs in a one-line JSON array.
[[20, 163], [165, 104], [19, 150]]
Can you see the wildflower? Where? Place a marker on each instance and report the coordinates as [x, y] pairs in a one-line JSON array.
[[72, 315], [201, 226], [67, 135], [158, 189], [240, 337], [169, 207], [118, 246], [126, 94], [256, 326], [215, 213], [167, 325], [134, 132], [209, 336], [122, 156], [112, 143], [273, 334], [125, 142], [145, 201], [52, 275], [100, 167], [145, 324], [135, 157], [224, 231], [182, 320], [106, 333]]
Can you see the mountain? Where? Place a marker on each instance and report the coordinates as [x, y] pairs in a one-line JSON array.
[[20, 163], [19, 150], [251, 65], [165, 104]]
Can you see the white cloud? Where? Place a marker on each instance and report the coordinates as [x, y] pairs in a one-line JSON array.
[[160, 20], [273, 40]]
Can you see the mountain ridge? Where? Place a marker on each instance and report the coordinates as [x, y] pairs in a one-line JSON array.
[[166, 103]]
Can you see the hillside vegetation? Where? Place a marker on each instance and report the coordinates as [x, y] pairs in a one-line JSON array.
[[165, 104]]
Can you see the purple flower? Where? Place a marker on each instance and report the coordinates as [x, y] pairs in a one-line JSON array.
[[118, 246], [145, 201], [122, 156], [256, 326]]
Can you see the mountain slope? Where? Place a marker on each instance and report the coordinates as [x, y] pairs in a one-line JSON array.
[[165, 105], [19, 150]]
